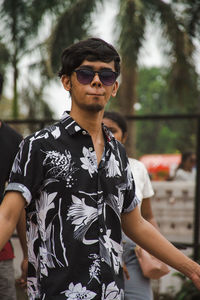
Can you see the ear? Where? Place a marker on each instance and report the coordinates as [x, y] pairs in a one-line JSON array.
[[115, 88], [66, 82]]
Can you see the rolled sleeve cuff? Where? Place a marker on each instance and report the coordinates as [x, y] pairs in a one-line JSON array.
[[18, 187], [133, 204]]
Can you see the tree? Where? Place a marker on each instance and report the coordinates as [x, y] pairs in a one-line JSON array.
[[182, 77], [132, 19], [156, 136], [72, 25], [20, 20]]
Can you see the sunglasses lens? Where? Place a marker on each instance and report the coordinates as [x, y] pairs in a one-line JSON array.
[[84, 76], [107, 77]]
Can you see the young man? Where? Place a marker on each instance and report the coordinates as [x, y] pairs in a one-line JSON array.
[[76, 183]]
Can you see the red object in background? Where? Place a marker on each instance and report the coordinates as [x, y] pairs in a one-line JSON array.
[[160, 166]]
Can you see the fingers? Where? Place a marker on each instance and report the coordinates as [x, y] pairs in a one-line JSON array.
[[126, 273]]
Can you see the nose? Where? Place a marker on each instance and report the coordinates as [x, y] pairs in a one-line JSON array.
[[96, 81]]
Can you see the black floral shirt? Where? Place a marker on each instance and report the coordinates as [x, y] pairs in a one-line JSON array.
[[73, 212]]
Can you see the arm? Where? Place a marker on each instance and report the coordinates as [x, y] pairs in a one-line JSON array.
[[10, 211], [146, 212], [21, 230], [149, 238]]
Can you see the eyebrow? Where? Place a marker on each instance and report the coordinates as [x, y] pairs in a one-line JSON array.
[[92, 68]]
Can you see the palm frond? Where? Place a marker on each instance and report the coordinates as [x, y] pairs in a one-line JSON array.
[[181, 50], [72, 25], [131, 19]]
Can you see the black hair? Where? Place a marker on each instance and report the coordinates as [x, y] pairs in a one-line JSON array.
[[1, 83], [118, 119], [184, 157], [92, 49]]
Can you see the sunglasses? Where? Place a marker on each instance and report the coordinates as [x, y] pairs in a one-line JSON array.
[[85, 76]]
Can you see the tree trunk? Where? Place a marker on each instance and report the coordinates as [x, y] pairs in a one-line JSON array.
[[15, 111], [127, 99]]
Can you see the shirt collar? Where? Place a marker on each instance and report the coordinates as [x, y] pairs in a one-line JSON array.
[[72, 127], [108, 134], [69, 124]]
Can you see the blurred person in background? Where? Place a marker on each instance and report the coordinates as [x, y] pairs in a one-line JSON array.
[[186, 171], [137, 287], [9, 142]]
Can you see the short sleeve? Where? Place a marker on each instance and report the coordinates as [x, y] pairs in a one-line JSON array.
[[27, 170], [130, 199], [147, 187]]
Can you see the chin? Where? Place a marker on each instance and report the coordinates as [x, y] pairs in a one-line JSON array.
[[95, 107]]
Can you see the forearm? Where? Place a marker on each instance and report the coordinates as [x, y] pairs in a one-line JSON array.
[[21, 230], [6, 230], [10, 211], [147, 213], [145, 235], [153, 222]]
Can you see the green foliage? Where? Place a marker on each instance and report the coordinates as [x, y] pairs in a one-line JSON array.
[[161, 136], [179, 46], [4, 57], [131, 20], [19, 23], [187, 291], [72, 25]]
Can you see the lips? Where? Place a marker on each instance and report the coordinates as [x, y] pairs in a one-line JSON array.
[[96, 95]]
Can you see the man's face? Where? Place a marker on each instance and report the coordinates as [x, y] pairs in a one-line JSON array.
[[92, 96]]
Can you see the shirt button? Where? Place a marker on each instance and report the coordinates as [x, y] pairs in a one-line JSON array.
[[90, 149], [84, 132], [101, 230], [102, 259]]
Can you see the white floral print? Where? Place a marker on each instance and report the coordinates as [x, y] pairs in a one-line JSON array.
[[43, 206], [95, 268], [111, 292], [89, 161], [61, 165], [82, 217], [112, 167], [114, 250], [16, 166], [78, 292], [55, 131], [129, 177]]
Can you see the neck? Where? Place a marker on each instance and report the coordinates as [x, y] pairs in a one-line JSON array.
[[90, 121]]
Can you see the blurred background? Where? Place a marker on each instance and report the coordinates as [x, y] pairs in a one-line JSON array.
[[159, 44]]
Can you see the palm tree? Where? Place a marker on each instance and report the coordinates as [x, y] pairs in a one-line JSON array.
[[132, 19], [73, 24], [19, 23]]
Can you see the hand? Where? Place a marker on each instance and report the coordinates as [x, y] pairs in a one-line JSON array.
[[22, 281], [195, 277], [126, 273]]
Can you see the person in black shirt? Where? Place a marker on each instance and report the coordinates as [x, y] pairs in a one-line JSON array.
[[9, 145], [76, 183]]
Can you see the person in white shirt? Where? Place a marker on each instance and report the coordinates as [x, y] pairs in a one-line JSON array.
[[186, 171], [137, 287]]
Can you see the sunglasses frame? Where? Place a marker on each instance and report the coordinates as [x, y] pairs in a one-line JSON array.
[[93, 73]]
